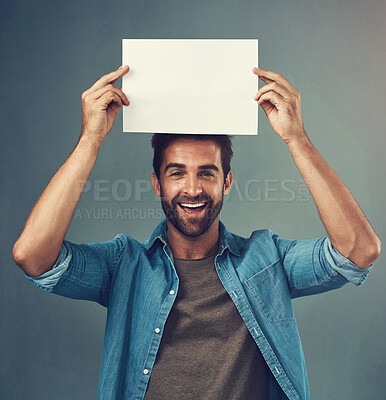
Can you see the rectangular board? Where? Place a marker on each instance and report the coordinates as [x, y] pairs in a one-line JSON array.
[[199, 86]]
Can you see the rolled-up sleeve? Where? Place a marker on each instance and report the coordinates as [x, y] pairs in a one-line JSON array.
[[49, 279], [344, 266], [314, 266], [83, 271]]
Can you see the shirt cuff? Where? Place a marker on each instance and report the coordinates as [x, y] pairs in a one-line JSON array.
[[344, 266], [49, 279]]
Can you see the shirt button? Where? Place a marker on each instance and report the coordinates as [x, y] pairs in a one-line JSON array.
[[145, 371], [171, 292], [157, 330]]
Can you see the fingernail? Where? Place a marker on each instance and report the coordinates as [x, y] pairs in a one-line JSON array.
[[122, 66]]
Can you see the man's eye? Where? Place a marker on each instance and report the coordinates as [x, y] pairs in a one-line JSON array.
[[177, 173], [207, 173]]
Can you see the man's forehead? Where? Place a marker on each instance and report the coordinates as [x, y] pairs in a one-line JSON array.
[[192, 150]]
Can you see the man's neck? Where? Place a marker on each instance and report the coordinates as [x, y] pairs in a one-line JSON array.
[[187, 247]]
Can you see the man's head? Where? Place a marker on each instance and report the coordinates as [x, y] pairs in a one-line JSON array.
[[191, 175]]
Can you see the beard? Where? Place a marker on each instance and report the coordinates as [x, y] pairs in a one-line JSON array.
[[191, 226]]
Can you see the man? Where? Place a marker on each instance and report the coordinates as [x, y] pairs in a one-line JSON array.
[[197, 312]]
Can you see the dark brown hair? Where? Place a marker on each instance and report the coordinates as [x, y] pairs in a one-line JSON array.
[[160, 141]]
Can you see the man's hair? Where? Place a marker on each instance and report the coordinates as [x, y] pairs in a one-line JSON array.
[[160, 141]]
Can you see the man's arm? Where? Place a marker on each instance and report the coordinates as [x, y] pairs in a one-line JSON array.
[[39, 244], [347, 227]]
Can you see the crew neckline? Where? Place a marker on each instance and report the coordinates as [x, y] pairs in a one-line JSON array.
[[196, 259]]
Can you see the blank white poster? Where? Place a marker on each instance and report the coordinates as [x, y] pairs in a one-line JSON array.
[[200, 86]]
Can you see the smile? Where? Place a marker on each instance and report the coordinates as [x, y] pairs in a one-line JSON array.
[[192, 208]]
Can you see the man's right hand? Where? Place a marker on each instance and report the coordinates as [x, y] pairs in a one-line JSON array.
[[100, 105]]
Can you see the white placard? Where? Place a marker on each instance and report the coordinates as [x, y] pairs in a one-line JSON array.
[[202, 86]]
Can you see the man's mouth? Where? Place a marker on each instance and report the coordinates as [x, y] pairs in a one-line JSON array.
[[193, 208]]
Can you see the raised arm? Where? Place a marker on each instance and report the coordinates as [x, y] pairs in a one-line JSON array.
[[38, 246], [346, 225]]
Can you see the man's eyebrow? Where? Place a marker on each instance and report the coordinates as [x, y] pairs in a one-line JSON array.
[[209, 166], [174, 165], [182, 166]]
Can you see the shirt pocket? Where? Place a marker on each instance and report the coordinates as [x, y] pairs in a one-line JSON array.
[[270, 289]]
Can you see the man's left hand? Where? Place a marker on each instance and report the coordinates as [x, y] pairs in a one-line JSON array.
[[281, 103]]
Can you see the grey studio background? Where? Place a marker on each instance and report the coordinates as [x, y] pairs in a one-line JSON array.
[[332, 52]]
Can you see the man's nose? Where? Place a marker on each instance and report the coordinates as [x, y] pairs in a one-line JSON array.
[[192, 186]]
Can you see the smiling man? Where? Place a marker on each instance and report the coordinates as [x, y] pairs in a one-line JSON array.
[[192, 175], [197, 312]]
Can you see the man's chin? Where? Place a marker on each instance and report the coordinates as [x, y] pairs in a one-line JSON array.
[[191, 227], [193, 232]]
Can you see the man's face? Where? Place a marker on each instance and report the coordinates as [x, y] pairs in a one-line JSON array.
[[192, 185]]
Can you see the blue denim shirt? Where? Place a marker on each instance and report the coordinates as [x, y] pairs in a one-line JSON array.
[[138, 284]]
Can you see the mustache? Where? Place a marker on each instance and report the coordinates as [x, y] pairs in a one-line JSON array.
[[189, 199]]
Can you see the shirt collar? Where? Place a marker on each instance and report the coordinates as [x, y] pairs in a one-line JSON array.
[[158, 233], [227, 240]]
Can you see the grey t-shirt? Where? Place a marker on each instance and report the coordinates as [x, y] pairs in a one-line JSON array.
[[206, 351]]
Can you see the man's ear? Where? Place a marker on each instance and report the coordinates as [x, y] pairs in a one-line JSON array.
[[156, 185], [228, 183]]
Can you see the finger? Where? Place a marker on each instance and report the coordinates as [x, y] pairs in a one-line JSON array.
[[112, 77], [267, 106], [100, 92], [110, 97], [273, 98], [124, 94], [114, 107], [266, 80], [255, 70], [276, 88], [273, 76]]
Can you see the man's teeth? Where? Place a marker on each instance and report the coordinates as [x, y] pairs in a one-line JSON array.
[[189, 205]]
